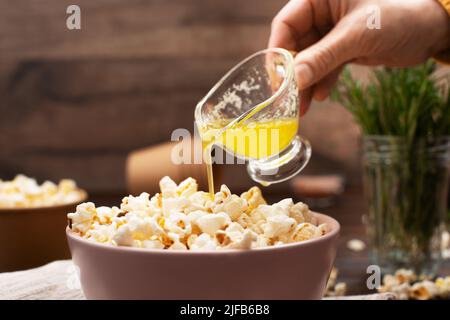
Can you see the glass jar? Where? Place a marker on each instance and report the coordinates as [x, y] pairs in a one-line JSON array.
[[406, 185]]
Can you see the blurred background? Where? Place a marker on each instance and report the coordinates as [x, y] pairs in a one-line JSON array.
[[75, 103]]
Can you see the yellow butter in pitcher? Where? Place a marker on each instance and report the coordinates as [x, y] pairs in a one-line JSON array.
[[256, 140]]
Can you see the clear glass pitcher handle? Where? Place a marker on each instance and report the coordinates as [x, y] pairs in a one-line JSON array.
[[282, 166]]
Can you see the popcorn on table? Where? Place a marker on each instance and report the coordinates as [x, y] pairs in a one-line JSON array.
[[405, 284], [25, 192], [182, 218]]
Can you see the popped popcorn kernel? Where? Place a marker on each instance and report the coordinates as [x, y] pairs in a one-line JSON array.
[[254, 198], [424, 290], [182, 218], [83, 217], [211, 223]]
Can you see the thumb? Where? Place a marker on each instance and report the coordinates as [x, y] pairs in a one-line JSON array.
[[320, 59]]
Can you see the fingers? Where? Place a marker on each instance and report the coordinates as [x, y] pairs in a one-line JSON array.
[[319, 92], [305, 100], [323, 88], [290, 24], [320, 59]]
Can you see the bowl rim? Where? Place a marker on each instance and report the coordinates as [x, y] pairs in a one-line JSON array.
[[83, 197], [333, 223]]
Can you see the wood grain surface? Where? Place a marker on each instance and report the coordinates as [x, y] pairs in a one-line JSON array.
[[74, 103]]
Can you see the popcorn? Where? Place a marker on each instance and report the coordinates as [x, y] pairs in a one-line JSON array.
[[187, 188], [152, 244], [233, 205], [300, 212], [82, 219], [340, 289], [305, 231], [124, 236], [168, 187], [25, 192], [101, 233], [136, 204], [211, 223], [401, 291], [424, 290], [356, 245], [278, 225], [245, 242], [405, 286], [183, 218], [254, 198], [405, 275], [203, 242], [443, 285], [334, 289]]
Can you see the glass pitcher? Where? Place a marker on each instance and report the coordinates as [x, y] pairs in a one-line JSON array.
[[253, 113]]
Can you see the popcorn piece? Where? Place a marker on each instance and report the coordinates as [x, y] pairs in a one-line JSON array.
[[389, 281], [261, 242], [405, 275], [51, 188], [254, 198], [234, 231], [176, 244], [334, 289], [197, 201], [203, 242], [300, 212], [193, 217], [83, 217], [340, 289], [143, 228], [101, 233], [356, 245], [124, 236], [106, 214], [187, 188], [401, 291], [245, 242], [306, 231], [332, 279], [234, 207], [278, 225], [140, 203], [179, 224], [168, 187], [27, 186], [443, 285], [424, 290], [211, 223], [67, 185], [183, 218], [323, 228], [174, 205]]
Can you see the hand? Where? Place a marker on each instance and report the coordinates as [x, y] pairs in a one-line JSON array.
[[330, 33]]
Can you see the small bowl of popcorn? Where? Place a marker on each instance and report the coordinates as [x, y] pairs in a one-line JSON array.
[[184, 244], [32, 221]]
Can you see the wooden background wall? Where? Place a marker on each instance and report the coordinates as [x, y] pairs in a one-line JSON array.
[[75, 103]]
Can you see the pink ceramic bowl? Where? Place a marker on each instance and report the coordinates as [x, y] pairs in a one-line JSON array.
[[292, 271]]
